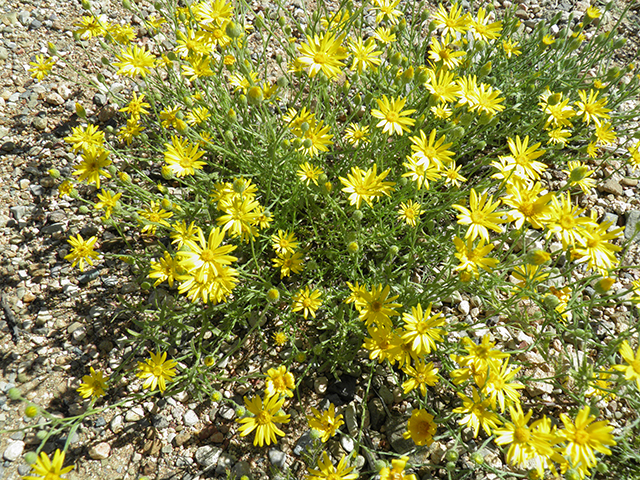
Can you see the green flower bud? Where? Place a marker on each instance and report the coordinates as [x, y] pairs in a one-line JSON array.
[[30, 458], [396, 58], [242, 99], [477, 458], [572, 475], [255, 95], [234, 30], [452, 455], [240, 411], [31, 411], [297, 143], [216, 396], [402, 25], [603, 285], [307, 143], [41, 435], [259, 22], [353, 247], [612, 74], [407, 75], [282, 81], [393, 250], [126, 4], [317, 350], [86, 4], [83, 209], [457, 133], [282, 21], [145, 286], [485, 70], [424, 16], [273, 294], [358, 215], [301, 357], [52, 49], [54, 173], [551, 301], [14, 394], [450, 466], [602, 468]]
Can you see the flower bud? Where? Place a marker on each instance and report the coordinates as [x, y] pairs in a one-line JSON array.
[[167, 173], [242, 99], [41, 435], [216, 396], [83, 209], [52, 49], [234, 30], [273, 294], [31, 411], [551, 301], [86, 4], [554, 99], [259, 21], [317, 350], [396, 58], [619, 43], [255, 95], [358, 215], [14, 394], [145, 285], [327, 187], [30, 458], [407, 75], [477, 458], [124, 176], [166, 204], [54, 173], [538, 257], [307, 143], [393, 250], [452, 455], [301, 357], [485, 70], [353, 247], [240, 411]]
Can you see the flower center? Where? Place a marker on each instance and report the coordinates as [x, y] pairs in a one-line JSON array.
[[392, 117], [521, 435], [581, 437], [376, 306], [320, 58]]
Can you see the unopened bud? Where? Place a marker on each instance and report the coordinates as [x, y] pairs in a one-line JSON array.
[[273, 294], [603, 285], [255, 95], [234, 30], [538, 257]]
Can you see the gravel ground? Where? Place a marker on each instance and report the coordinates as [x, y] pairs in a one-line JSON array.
[[56, 321]]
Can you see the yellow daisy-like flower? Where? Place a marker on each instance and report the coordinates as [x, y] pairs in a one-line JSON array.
[[41, 67], [308, 172], [279, 382], [327, 471], [93, 385], [94, 160], [324, 54], [107, 202], [377, 306], [182, 157], [410, 212], [46, 469], [477, 413], [420, 429], [134, 61], [421, 330], [156, 371], [307, 301], [363, 185], [285, 241], [165, 269], [632, 369], [584, 437], [356, 134], [288, 263], [327, 422], [81, 251], [392, 118], [480, 216], [421, 375], [264, 419], [83, 137]]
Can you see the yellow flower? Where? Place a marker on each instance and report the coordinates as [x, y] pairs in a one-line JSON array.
[[93, 161], [421, 172], [605, 133], [377, 307], [155, 215], [366, 185], [525, 204], [593, 12], [473, 257], [384, 35], [356, 134], [440, 52], [131, 130], [585, 437], [307, 301], [65, 188], [498, 385], [525, 442], [285, 241], [107, 202], [477, 413], [316, 139], [323, 54], [511, 48], [156, 371], [93, 385], [41, 67], [89, 26], [327, 471], [430, 151], [422, 374], [134, 61], [410, 212], [81, 251], [308, 172], [264, 420], [136, 106], [452, 21], [289, 263], [280, 338], [392, 118], [206, 257], [327, 422], [45, 469], [591, 108], [397, 470], [240, 218], [443, 86], [182, 157], [483, 29], [279, 382], [420, 329], [484, 99], [83, 137], [632, 369], [480, 216], [596, 249], [563, 220], [523, 158], [387, 9], [165, 269], [364, 54], [420, 429]]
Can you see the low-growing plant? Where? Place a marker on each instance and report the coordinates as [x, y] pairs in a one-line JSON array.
[[330, 188]]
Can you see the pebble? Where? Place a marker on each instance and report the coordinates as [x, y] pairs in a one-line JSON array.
[[207, 456], [277, 458], [225, 462], [241, 469], [13, 451], [100, 451], [226, 412], [320, 385], [190, 418], [464, 307], [53, 98], [134, 415], [347, 443], [632, 224]]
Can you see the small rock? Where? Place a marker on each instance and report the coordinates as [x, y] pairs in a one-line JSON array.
[[241, 469], [159, 421], [226, 412], [190, 418], [181, 438], [207, 456], [347, 443], [464, 307], [134, 415], [350, 419], [100, 451], [377, 413], [611, 185], [53, 98], [116, 423], [277, 458], [385, 394], [633, 223], [320, 385], [13, 451], [437, 452], [304, 443], [40, 123]]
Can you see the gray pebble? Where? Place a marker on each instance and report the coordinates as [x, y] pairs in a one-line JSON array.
[[207, 456], [13, 451], [54, 98], [24, 17], [304, 443], [159, 421], [242, 469], [100, 99], [225, 462], [277, 458], [190, 418], [633, 217]]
